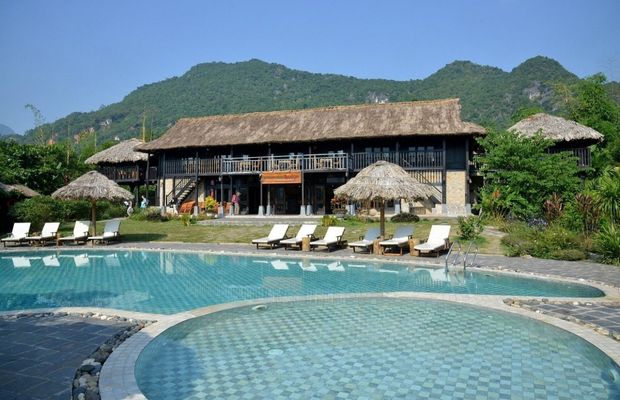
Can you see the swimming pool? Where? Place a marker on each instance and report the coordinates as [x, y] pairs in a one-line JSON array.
[[372, 348], [170, 282]]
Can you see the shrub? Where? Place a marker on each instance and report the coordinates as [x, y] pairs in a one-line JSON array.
[[568, 255], [149, 214], [38, 210], [405, 217], [210, 204], [607, 243], [328, 220], [470, 228]]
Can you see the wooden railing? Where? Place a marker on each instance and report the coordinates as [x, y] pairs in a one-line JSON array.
[[583, 154], [256, 165], [129, 173], [409, 160], [325, 162]]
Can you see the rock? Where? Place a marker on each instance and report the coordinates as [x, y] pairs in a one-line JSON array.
[[88, 380], [87, 368], [81, 396], [90, 395]]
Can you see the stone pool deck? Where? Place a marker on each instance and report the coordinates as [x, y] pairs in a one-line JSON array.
[[39, 355]]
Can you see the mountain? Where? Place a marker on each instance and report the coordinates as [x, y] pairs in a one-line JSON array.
[[5, 130], [488, 95]]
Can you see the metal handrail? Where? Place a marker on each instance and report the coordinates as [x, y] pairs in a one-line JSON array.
[[456, 255], [468, 252]]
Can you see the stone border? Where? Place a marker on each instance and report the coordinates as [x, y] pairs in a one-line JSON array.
[[118, 381]]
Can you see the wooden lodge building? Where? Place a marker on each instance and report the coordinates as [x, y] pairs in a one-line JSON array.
[[286, 159], [125, 166]]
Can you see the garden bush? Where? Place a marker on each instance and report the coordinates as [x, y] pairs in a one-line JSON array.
[[149, 214], [607, 243], [328, 220], [470, 228], [405, 217], [553, 242]]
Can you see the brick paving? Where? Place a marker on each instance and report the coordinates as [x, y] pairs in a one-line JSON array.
[[40, 354]]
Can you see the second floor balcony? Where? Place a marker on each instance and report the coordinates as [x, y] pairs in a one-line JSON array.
[[325, 162]]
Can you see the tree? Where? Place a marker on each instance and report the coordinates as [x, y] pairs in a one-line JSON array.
[[40, 136], [520, 174], [591, 105], [40, 167]]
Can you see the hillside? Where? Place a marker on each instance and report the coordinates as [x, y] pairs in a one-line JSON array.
[[489, 95], [5, 130]]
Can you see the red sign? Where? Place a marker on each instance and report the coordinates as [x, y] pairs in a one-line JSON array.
[[281, 178]]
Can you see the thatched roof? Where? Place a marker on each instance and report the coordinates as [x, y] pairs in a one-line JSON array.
[[92, 186], [24, 190], [555, 128], [122, 152], [436, 117], [384, 180]]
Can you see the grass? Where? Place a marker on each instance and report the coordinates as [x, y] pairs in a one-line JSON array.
[[176, 231]]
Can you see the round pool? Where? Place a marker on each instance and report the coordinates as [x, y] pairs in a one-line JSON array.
[[372, 348]]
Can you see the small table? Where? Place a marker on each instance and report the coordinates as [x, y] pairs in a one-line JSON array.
[[305, 243], [412, 244]]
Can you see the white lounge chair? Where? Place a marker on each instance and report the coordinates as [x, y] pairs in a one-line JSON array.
[[19, 233], [367, 240], [305, 230], [110, 232], [278, 232], [438, 240], [80, 233], [400, 239], [48, 234], [333, 238]]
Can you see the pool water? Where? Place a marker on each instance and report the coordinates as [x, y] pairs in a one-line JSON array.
[[171, 282], [372, 348]]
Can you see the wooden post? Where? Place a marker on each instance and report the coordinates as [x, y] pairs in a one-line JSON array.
[[305, 243], [93, 211], [382, 217], [445, 174]]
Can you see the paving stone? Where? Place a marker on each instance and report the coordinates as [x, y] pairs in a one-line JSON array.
[[42, 371]]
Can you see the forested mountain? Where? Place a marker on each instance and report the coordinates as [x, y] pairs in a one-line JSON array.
[[488, 95], [5, 130]]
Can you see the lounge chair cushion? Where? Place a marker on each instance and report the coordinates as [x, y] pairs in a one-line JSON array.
[[278, 232], [333, 235], [19, 233], [305, 230]]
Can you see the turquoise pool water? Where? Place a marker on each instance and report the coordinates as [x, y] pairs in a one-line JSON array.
[[372, 349], [170, 282]]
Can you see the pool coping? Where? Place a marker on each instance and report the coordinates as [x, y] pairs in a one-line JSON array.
[[117, 379]]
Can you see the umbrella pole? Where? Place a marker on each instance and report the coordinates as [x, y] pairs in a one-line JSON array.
[[94, 216], [382, 218]]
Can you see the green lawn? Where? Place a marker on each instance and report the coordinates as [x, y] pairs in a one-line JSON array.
[[175, 231]]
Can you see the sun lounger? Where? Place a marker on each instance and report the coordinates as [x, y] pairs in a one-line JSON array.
[[80, 233], [438, 240], [19, 233], [305, 230], [333, 238], [48, 234], [367, 240], [400, 239], [110, 232], [278, 232]]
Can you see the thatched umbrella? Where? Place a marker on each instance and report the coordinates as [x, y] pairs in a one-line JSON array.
[[92, 186], [383, 181]]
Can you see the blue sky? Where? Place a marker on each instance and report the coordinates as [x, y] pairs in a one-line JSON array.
[[65, 56]]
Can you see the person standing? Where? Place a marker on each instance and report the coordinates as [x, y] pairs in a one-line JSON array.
[[235, 201]]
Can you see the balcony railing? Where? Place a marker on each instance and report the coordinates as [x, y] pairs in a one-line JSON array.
[[128, 173], [326, 162], [257, 165], [583, 154], [409, 160]]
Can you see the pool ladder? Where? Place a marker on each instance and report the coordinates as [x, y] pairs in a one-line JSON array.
[[456, 251]]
